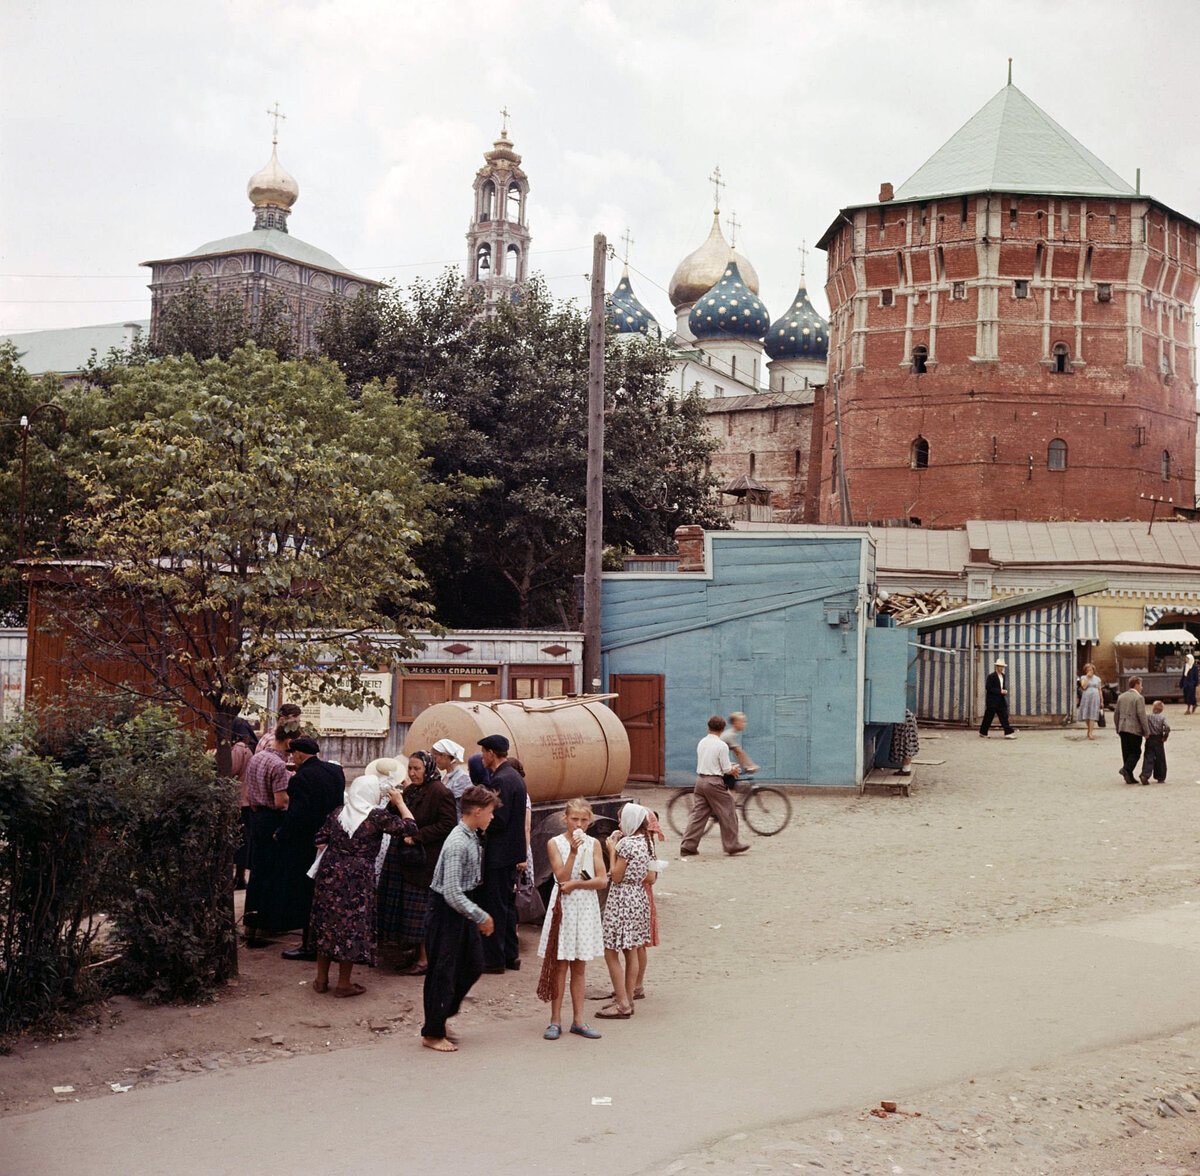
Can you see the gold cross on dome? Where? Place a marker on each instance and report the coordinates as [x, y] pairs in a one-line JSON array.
[[276, 114], [718, 184], [627, 240], [803, 257], [504, 125], [734, 224]]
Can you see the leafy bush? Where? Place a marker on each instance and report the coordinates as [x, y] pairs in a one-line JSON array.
[[121, 834]]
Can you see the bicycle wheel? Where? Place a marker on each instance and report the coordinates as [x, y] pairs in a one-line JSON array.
[[767, 811], [679, 810]]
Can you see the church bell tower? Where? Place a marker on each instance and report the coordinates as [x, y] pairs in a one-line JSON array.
[[498, 237]]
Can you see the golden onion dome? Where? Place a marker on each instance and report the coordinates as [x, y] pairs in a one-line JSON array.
[[701, 270], [272, 186]]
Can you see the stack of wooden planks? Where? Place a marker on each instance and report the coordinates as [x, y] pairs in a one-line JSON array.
[[912, 606]]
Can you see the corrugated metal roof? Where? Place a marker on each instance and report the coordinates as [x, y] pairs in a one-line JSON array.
[[66, 351], [1008, 604], [911, 549], [795, 398], [1168, 544], [1012, 145], [271, 241]]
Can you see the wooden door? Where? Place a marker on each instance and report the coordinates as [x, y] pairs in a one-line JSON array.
[[639, 706]]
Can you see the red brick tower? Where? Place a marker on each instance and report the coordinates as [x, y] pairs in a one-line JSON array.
[[1011, 336]]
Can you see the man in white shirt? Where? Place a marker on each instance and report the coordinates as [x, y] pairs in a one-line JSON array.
[[711, 798]]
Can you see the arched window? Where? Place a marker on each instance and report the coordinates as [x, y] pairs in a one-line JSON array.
[[919, 357], [514, 205], [1062, 357], [487, 199], [752, 465], [918, 454], [512, 261], [1166, 466], [1056, 454], [483, 261]]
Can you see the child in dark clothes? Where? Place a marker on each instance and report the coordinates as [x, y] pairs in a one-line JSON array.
[[1154, 759]]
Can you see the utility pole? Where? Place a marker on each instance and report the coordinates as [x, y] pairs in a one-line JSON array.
[[594, 534]]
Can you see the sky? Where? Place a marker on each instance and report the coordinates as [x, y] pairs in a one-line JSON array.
[[129, 129]]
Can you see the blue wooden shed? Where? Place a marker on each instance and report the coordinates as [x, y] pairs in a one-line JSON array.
[[777, 624]]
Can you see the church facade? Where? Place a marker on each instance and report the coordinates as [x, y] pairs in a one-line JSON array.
[[1011, 337]]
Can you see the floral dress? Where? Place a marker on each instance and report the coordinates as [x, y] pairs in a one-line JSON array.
[[1089, 702], [627, 912], [343, 909], [579, 935]]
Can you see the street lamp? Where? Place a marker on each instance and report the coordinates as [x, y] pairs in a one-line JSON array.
[[25, 423]]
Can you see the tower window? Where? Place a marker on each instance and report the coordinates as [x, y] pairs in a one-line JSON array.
[[513, 213], [1062, 358], [958, 292], [799, 461], [1103, 291], [733, 366], [1012, 215], [965, 207], [885, 297], [487, 198], [918, 454], [1020, 289], [919, 357], [512, 262], [752, 465], [1056, 454], [483, 261], [1166, 465]]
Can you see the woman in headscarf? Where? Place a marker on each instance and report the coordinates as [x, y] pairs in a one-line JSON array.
[[1189, 681], [627, 911], [408, 866], [343, 909], [448, 756]]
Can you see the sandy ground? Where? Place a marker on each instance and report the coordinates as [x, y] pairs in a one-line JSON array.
[[998, 835]]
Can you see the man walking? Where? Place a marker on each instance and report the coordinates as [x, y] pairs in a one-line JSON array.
[[995, 701], [506, 849], [711, 797], [455, 921], [1131, 724]]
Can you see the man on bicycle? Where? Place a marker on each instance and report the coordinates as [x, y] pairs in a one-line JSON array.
[[711, 797], [732, 736]]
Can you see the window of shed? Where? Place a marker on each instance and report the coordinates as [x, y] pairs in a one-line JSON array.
[[918, 454], [1056, 454]]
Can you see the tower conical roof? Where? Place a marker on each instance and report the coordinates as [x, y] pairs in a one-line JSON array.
[[1012, 145]]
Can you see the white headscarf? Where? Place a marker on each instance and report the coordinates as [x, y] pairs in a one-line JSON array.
[[1187, 665], [633, 816], [362, 797], [448, 747]]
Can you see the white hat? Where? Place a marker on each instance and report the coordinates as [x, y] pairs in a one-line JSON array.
[[450, 748], [1001, 662]]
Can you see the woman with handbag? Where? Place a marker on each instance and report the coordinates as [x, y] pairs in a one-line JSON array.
[[343, 908], [410, 861], [1090, 703]]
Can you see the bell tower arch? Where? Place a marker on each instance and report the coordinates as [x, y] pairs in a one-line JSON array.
[[498, 236]]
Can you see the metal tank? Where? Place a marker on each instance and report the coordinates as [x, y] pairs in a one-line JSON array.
[[567, 746]]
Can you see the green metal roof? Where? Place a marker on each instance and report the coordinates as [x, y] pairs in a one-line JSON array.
[[274, 242], [65, 351], [1007, 604], [1012, 145]]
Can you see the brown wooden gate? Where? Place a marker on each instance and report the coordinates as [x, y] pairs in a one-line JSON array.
[[640, 709]]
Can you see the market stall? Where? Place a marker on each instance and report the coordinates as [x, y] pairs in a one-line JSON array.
[[1154, 655]]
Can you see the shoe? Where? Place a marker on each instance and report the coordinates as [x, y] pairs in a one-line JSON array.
[[982, 734], [738, 849], [1144, 779], [299, 953], [585, 1031], [513, 965], [1011, 735], [688, 852], [1127, 776], [494, 970], [553, 1032], [413, 969]]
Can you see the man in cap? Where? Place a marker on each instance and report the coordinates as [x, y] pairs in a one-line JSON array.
[[996, 701], [506, 849], [315, 790]]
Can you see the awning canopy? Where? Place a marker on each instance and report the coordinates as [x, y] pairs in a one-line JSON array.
[[1155, 637]]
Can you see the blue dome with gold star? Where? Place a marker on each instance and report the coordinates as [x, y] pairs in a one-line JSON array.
[[626, 315], [800, 332], [729, 310]]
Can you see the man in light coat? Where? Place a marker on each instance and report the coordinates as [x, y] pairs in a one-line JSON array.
[[1131, 724]]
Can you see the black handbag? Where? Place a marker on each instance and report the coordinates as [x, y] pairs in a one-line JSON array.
[[410, 855], [729, 779]]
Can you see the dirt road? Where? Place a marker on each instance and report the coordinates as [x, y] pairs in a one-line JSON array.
[[1035, 835]]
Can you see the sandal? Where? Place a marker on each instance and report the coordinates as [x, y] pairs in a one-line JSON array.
[[414, 970], [353, 990], [319, 987], [639, 994], [553, 1032], [614, 1012]]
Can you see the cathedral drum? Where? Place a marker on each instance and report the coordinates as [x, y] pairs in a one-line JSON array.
[[568, 747]]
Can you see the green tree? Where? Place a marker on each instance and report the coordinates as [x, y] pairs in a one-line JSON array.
[[515, 389], [248, 516]]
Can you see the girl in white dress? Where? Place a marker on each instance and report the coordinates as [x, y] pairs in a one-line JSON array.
[[578, 864]]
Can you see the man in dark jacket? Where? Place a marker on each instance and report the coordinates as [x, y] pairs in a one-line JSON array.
[[1131, 723], [315, 790], [505, 850], [996, 701]]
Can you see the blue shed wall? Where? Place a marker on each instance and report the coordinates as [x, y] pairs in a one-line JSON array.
[[753, 633]]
